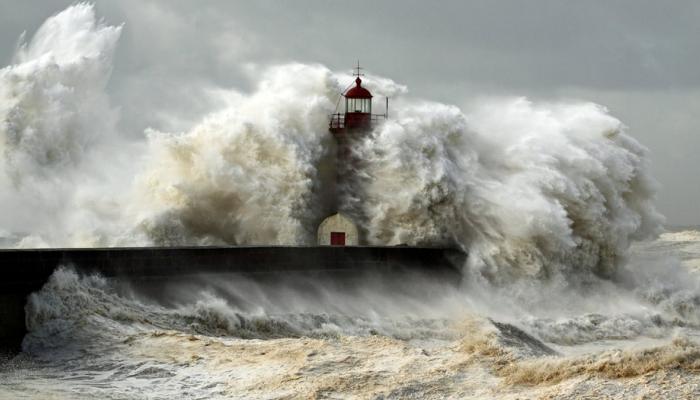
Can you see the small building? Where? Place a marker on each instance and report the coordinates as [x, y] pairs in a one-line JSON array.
[[337, 230]]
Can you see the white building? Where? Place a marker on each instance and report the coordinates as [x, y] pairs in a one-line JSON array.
[[337, 230]]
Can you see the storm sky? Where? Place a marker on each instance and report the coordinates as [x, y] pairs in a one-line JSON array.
[[639, 58]]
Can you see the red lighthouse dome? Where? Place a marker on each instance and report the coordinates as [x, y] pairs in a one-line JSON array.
[[358, 92], [358, 106]]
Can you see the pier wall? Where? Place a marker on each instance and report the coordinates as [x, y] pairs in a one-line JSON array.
[[26, 271]]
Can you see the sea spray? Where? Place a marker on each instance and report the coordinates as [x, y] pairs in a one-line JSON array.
[[527, 189], [254, 173], [74, 310], [58, 134], [53, 103]]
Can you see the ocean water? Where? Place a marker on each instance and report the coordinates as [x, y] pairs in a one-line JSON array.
[[92, 337], [569, 290]]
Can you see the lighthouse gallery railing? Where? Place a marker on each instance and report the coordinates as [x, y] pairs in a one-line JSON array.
[[337, 121]]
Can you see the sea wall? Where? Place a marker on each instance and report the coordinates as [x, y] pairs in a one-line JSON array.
[[25, 271]]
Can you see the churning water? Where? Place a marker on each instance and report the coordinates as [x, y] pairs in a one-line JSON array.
[[92, 337], [568, 291]]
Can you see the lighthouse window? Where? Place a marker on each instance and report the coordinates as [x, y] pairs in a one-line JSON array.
[[359, 105], [364, 105], [353, 105]]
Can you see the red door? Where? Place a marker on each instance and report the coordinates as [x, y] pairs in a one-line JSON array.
[[337, 238]]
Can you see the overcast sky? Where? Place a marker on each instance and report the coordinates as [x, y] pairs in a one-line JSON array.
[[641, 59]]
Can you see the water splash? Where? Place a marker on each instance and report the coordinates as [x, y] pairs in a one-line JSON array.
[[527, 189]]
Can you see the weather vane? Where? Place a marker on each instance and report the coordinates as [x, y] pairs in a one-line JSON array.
[[356, 70]]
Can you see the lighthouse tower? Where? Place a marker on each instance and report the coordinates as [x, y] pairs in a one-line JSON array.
[[347, 127]]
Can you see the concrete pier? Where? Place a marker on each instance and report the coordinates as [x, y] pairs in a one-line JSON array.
[[26, 271]]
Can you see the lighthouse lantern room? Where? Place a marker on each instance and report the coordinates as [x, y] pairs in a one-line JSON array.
[[358, 109]]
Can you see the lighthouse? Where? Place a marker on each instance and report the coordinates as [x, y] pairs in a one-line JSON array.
[[355, 122], [357, 118]]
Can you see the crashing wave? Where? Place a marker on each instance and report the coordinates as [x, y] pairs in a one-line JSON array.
[[527, 189]]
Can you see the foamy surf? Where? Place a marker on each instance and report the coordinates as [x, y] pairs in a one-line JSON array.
[[96, 337], [546, 198]]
